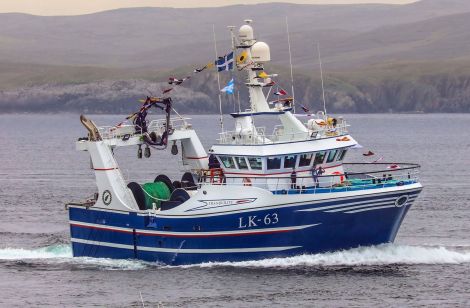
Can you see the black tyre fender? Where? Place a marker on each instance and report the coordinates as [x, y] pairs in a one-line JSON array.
[[188, 177], [139, 194], [189, 181], [177, 184], [163, 178], [180, 195]]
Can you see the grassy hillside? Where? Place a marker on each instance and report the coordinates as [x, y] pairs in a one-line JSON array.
[[393, 87]]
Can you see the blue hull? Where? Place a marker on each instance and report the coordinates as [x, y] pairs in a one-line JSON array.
[[275, 231]]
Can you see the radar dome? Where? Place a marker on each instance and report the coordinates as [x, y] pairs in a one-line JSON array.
[[245, 33], [260, 52]]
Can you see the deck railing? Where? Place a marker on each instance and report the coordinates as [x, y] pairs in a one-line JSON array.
[[384, 175], [110, 132], [259, 136]]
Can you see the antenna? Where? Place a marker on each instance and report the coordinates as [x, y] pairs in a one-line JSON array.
[[321, 75], [232, 36], [290, 62], [238, 96], [218, 80]]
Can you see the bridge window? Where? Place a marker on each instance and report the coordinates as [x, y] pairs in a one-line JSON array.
[[241, 162], [289, 161], [320, 157], [331, 156], [228, 162], [342, 155], [274, 163], [305, 159], [256, 163]]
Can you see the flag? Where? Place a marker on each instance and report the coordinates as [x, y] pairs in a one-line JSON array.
[[269, 84], [225, 63], [176, 81], [305, 109], [208, 65], [377, 160], [229, 87], [263, 75], [241, 58], [370, 153], [280, 92]]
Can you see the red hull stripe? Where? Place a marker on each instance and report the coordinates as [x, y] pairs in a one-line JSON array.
[[182, 235], [203, 157], [105, 169]]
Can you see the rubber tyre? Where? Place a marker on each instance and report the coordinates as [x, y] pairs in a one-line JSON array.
[[139, 194], [188, 180], [163, 178], [177, 184], [180, 195]]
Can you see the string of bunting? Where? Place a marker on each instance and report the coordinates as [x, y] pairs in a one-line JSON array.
[[223, 63]]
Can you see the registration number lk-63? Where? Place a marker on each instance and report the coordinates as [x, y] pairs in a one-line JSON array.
[[257, 221]]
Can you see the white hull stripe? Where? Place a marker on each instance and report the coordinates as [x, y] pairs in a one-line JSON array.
[[348, 204], [375, 208], [368, 205], [177, 250], [190, 234]]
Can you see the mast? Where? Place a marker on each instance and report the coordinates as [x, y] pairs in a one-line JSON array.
[[321, 75], [291, 69], [257, 53], [221, 119]]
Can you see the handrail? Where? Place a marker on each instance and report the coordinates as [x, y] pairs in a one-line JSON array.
[[405, 175], [110, 132], [258, 135], [411, 166]]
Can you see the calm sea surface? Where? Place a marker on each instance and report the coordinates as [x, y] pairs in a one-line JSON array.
[[429, 265]]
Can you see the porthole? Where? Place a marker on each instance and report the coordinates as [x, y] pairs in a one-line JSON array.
[[401, 201]]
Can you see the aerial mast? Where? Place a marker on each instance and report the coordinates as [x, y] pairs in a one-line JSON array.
[[321, 75], [290, 62], [221, 119]]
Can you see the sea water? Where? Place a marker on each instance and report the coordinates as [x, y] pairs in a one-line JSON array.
[[428, 265]]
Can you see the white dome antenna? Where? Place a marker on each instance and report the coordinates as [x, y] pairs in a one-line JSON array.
[[260, 52], [245, 34]]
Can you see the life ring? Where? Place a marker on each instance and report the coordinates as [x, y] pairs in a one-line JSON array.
[[341, 176], [246, 182], [216, 176]]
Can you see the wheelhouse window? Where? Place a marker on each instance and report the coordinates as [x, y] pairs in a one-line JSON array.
[[320, 157], [241, 162], [274, 163], [256, 163], [331, 156], [341, 155], [228, 162], [289, 161], [305, 159]]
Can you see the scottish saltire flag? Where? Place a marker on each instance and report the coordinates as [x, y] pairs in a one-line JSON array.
[[225, 63], [229, 87]]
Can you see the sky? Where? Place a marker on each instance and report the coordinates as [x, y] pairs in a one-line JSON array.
[[77, 7]]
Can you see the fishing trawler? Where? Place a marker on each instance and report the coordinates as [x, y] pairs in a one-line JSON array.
[[250, 196]]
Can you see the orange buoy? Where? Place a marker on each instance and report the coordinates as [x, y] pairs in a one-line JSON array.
[[341, 175]]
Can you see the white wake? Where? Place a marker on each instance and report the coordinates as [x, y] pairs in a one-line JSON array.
[[56, 251], [366, 256], [377, 255], [60, 254]]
